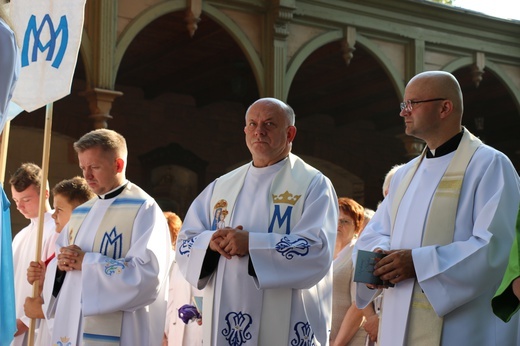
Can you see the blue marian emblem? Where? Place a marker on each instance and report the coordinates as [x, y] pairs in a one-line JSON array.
[[60, 36], [114, 266], [236, 332], [304, 335], [289, 249], [186, 245], [112, 244]]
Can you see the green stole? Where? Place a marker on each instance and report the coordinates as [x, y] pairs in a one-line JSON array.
[[113, 239], [425, 327], [288, 190], [505, 303]]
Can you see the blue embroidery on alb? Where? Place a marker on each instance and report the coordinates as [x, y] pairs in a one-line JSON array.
[[125, 201], [281, 219], [64, 341], [186, 245], [112, 241], [304, 335], [237, 330], [289, 248], [59, 343], [114, 266]]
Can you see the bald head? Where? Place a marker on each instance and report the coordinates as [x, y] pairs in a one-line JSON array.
[[440, 84], [275, 103], [435, 107]]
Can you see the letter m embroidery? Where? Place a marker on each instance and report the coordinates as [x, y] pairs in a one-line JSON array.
[[50, 46], [281, 219], [112, 244]]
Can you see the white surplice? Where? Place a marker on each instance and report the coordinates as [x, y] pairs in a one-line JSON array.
[[24, 251], [139, 290], [459, 279], [238, 295]]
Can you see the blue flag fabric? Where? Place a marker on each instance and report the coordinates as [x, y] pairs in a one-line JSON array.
[[7, 302]]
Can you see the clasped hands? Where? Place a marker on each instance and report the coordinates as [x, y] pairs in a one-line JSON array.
[[396, 267], [70, 258], [230, 242]]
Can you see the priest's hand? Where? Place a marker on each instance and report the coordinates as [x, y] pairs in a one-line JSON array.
[[396, 267], [70, 258], [230, 242], [33, 307]]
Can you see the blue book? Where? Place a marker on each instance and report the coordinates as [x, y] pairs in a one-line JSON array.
[[364, 271]]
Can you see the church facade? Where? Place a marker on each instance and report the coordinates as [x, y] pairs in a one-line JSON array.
[[175, 77]]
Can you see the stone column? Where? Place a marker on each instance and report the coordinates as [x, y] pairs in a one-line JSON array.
[[280, 15], [102, 31]]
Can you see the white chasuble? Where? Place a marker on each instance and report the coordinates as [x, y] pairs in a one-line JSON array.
[[457, 278], [125, 268], [289, 254]]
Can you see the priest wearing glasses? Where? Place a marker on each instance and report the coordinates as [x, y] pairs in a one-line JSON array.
[[447, 226]]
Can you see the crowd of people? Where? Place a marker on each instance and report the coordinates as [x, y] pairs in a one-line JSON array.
[[266, 254]]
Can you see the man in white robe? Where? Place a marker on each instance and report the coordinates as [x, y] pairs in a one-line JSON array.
[[266, 277], [25, 191], [113, 291], [459, 277]]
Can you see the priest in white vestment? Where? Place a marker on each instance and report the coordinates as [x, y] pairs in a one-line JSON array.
[[267, 273], [447, 225], [25, 191], [112, 258]]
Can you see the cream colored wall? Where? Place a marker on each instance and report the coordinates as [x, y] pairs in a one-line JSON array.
[[26, 145]]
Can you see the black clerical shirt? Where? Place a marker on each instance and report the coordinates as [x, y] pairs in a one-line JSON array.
[[447, 147]]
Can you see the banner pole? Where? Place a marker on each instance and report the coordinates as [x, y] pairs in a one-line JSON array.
[[3, 151], [41, 214]]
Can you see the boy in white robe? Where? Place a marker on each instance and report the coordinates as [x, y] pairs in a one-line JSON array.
[[67, 195], [113, 255], [267, 274], [25, 191], [457, 275]]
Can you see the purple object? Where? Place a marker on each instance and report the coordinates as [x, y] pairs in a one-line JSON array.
[[189, 313]]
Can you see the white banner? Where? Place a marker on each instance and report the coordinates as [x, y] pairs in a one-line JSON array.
[[49, 36]]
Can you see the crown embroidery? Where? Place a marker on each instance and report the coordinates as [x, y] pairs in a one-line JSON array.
[[221, 204], [64, 341], [286, 198]]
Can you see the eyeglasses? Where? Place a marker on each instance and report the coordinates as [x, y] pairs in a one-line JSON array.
[[344, 222], [408, 105]]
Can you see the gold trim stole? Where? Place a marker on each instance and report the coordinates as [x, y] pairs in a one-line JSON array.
[[288, 190], [113, 239], [425, 327]]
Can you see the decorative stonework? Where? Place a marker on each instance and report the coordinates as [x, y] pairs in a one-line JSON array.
[[477, 70], [193, 16], [412, 145], [348, 43], [100, 103], [282, 16]]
